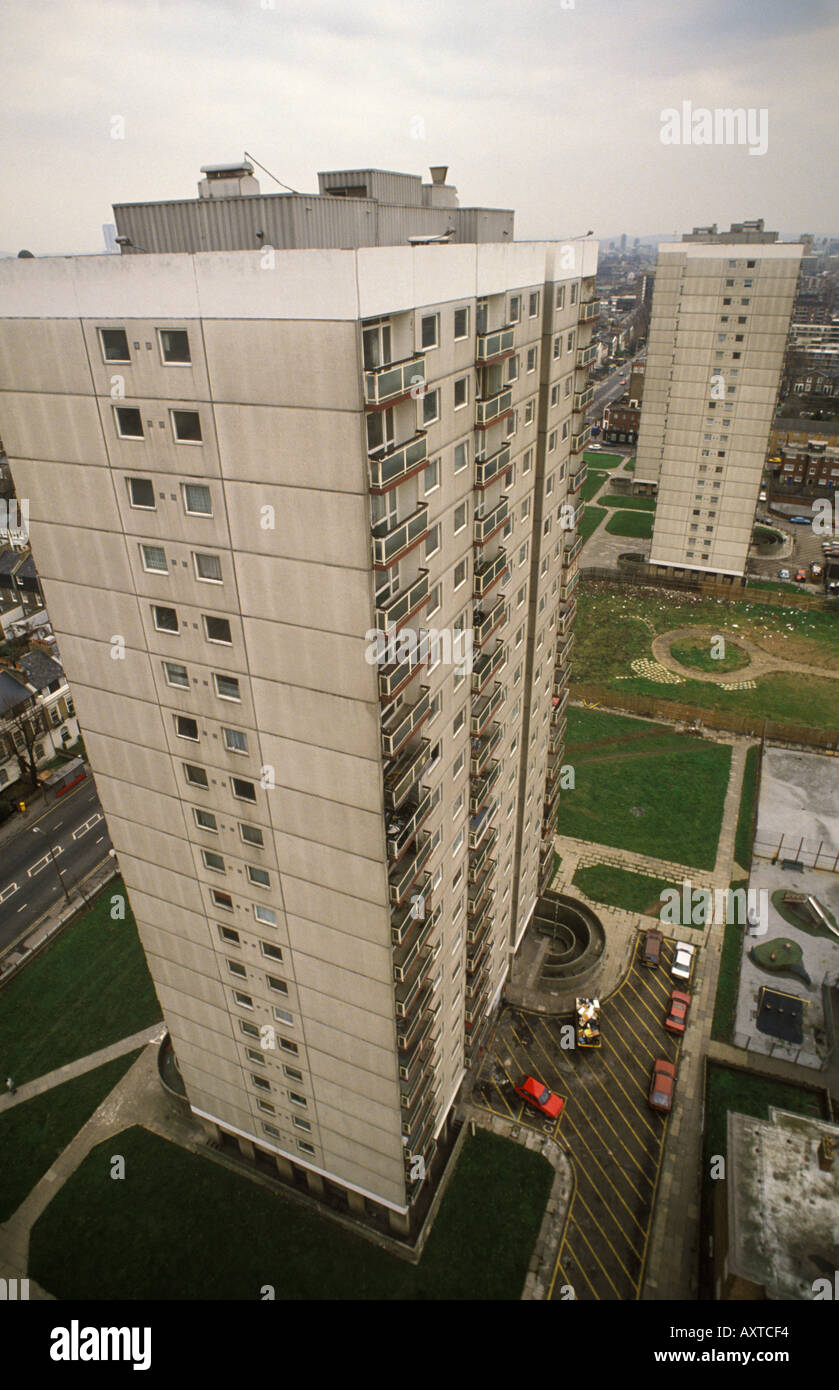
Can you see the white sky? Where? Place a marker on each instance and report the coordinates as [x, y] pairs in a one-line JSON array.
[[552, 111]]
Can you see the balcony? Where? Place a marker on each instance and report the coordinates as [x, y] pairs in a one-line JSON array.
[[486, 667], [551, 801], [590, 311], [475, 1008], [485, 526], [413, 1091], [393, 612], [392, 467], [391, 542], [409, 994], [479, 825], [386, 385], [402, 775], [569, 584], [419, 1132], [399, 726], [405, 874], [556, 739], [410, 1036], [488, 409], [490, 346], [566, 619], [488, 574], [484, 709], [576, 518], [585, 356], [564, 650], [583, 399], [484, 624], [482, 750], [553, 769], [481, 857], [478, 895], [560, 702], [480, 787], [560, 683], [489, 470], [570, 555], [546, 873], [579, 441], [404, 919], [394, 680], [405, 955], [401, 826], [480, 977], [577, 479], [478, 924]]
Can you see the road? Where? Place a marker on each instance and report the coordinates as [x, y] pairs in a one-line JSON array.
[[75, 830], [610, 389]]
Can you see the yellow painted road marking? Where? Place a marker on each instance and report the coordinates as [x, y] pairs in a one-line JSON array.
[[639, 1195], [602, 1112], [596, 1256], [652, 1133], [625, 1002], [579, 1198]]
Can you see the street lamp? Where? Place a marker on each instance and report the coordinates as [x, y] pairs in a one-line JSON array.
[[36, 830]]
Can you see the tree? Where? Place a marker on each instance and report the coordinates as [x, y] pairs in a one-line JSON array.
[[25, 724]]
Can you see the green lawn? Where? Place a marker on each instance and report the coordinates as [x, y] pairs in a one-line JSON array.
[[637, 504], [615, 887], [143, 1237], [592, 517], [636, 525], [642, 787], [602, 460], [700, 658], [629, 466], [809, 928], [764, 535], [728, 980], [593, 481], [747, 1094], [89, 988], [744, 834], [35, 1132]]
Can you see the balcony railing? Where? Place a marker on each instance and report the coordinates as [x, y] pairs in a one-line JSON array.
[[403, 919], [487, 470], [478, 925], [474, 1009], [405, 874], [501, 343], [399, 726], [410, 1035], [580, 440], [551, 799], [479, 956], [583, 399], [488, 574], [392, 612], [388, 383], [391, 542], [566, 619], [482, 750], [586, 355], [577, 516], [561, 702], [479, 978], [560, 682], [486, 525], [484, 709], [410, 994], [393, 680], [488, 409], [564, 650], [402, 825], [570, 555], [402, 775], [478, 892], [388, 469], [480, 787], [577, 479], [485, 624], [556, 739], [405, 954], [480, 858], [479, 825], [569, 584], [486, 666], [590, 311]]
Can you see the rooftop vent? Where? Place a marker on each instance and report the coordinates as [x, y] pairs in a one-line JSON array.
[[227, 180], [438, 173]]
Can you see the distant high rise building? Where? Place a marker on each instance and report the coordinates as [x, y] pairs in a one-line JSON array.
[[623, 242], [273, 495], [720, 316]]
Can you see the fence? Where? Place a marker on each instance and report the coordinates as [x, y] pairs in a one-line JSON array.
[[824, 855], [647, 577], [659, 707]]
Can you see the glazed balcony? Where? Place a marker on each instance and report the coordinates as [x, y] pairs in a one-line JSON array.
[[480, 788], [573, 550], [489, 347], [580, 440], [479, 825], [577, 479], [393, 613], [386, 385], [485, 526], [402, 825], [482, 749], [585, 356], [392, 542], [583, 399], [489, 470], [589, 311], [404, 875], [489, 409], [403, 723], [484, 624], [401, 776], [486, 667], [484, 709], [391, 467], [478, 860], [488, 574], [570, 580], [394, 680], [403, 920]]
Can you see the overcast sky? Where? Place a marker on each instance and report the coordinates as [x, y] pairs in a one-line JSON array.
[[546, 107]]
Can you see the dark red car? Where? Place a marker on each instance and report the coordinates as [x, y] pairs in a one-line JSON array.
[[651, 952], [537, 1095], [675, 1020], [662, 1085]]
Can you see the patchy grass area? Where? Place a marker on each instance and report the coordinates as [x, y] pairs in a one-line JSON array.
[[636, 525], [728, 980], [140, 1239], [748, 1094], [744, 835], [642, 787], [602, 460], [615, 887], [627, 500], [785, 910], [35, 1132], [699, 658], [594, 481], [629, 466], [592, 517], [89, 988]]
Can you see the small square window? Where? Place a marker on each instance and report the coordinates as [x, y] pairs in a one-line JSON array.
[[267, 915], [186, 727], [207, 567], [227, 687], [221, 899], [176, 675], [129, 422], [114, 345], [205, 820], [243, 999], [154, 559], [186, 426], [259, 876], [195, 775], [141, 493], [213, 861], [217, 630], [235, 740], [252, 835], [242, 790], [165, 619], [429, 331], [270, 950], [197, 499], [174, 346]]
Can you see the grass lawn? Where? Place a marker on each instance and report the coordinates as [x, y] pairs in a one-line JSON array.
[[776, 586], [785, 910], [635, 504], [143, 1237], [593, 481], [744, 834], [629, 466], [636, 525], [38, 1130], [642, 787], [592, 517], [728, 980], [88, 989], [748, 1095], [699, 658], [764, 535], [788, 958], [602, 460], [621, 888]]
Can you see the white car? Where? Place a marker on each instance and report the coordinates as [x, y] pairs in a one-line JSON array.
[[683, 961]]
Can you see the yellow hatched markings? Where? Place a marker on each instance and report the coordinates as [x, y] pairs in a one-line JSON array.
[[652, 1133], [627, 1001], [611, 1183], [586, 1207], [582, 1235], [652, 1205], [654, 982], [567, 1220], [589, 1096], [641, 1079], [517, 1118], [581, 1266], [501, 1094]]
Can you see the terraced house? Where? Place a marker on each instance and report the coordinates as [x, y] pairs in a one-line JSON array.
[[273, 427]]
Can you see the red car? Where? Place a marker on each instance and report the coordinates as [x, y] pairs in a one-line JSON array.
[[540, 1097], [675, 1020], [662, 1085], [801, 576]]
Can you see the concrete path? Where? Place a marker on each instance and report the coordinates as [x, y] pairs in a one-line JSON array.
[[760, 663], [82, 1065]]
